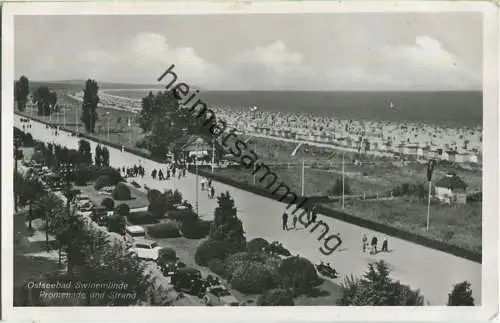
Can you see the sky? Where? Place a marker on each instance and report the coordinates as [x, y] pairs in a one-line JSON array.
[[325, 51]]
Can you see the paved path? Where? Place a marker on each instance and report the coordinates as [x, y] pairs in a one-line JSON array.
[[433, 272]]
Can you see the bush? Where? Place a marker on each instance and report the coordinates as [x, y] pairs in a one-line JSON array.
[[121, 192], [116, 224], [217, 266], [141, 218], [164, 230], [122, 209], [257, 245], [195, 229], [211, 249], [461, 295], [102, 181], [167, 255], [181, 215], [81, 176], [299, 274], [252, 278], [276, 297], [235, 261], [108, 203], [153, 195], [158, 205]]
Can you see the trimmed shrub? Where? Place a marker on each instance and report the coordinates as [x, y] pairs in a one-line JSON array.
[[181, 215], [108, 203], [167, 255], [253, 278], [141, 218], [257, 245], [121, 192], [158, 205], [299, 274], [195, 229], [164, 230], [122, 209], [276, 297], [82, 175], [102, 181], [211, 249], [235, 261], [217, 266]]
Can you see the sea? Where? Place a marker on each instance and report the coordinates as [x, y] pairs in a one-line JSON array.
[[447, 108]]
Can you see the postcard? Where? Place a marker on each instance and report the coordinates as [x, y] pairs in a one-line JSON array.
[[297, 161]]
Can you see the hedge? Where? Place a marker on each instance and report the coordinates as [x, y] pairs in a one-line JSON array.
[[102, 181], [195, 229], [141, 218], [217, 267], [122, 209], [167, 255], [252, 278], [257, 245], [299, 274], [211, 249], [116, 224], [121, 192], [276, 297], [108, 203], [164, 230]]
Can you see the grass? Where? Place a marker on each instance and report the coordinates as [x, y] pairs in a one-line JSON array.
[[139, 199], [458, 225]]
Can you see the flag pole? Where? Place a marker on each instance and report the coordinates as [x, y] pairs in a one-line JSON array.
[[343, 182]]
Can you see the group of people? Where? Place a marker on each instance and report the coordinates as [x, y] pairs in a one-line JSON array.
[[171, 172], [312, 216], [373, 246], [207, 183], [133, 171]]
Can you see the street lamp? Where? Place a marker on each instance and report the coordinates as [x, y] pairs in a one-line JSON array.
[[107, 117]]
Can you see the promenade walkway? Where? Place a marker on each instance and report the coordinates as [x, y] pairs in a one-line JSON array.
[[433, 272]]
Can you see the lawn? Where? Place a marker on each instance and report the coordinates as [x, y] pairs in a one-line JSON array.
[[324, 295], [458, 225], [139, 198]]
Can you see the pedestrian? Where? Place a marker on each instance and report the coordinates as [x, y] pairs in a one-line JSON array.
[[202, 184], [212, 192], [365, 242], [210, 182], [160, 175], [168, 174], [284, 219], [385, 245], [314, 214], [374, 246], [184, 172], [294, 221], [153, 174]]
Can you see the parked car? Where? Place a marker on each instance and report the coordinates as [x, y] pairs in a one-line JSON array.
[[219, 296], [170, 267], [108, 190], [133, 232], [189, 280], [145, 249]]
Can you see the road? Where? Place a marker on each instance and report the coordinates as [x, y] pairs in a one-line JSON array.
[[433, 272]]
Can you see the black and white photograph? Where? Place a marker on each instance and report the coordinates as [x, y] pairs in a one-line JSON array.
[[279, 154]]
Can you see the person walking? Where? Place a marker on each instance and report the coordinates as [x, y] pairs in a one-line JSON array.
[[365, 242], [153, 174], [294, 221], [212, 192], [210, 182], [284, 220], [314, 214], [160, 175], [385, 245], [202, 184], [374, 246]]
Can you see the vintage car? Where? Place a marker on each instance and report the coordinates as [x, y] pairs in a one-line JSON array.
[[145, 249], [218, 295], [188, 280]]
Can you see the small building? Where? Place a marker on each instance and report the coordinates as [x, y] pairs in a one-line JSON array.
[[451, 189]]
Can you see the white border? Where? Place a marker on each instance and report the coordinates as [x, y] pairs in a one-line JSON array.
[[256, 314]]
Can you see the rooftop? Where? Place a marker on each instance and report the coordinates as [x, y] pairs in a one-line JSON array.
[[451, 181]]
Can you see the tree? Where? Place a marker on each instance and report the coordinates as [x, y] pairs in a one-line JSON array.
[[32, 190], [85, 151], [461, 295], [89, 105], [376, 288], [50, 205], [21, 91], [226, 225], [104, 157], [98, 156]]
